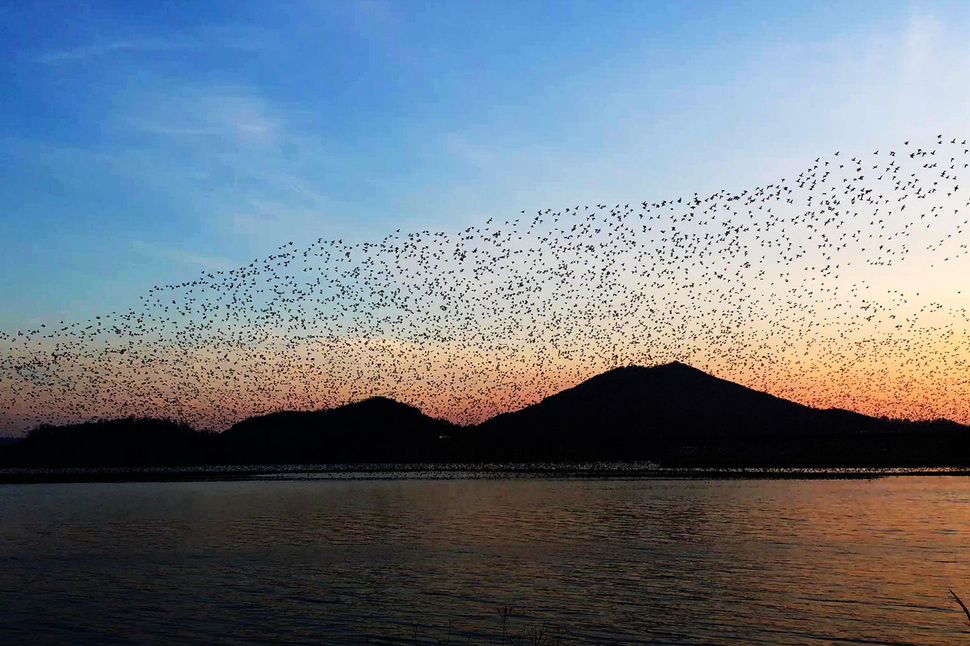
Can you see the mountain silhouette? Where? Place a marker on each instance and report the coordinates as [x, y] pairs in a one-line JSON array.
[[373, 430], [128, 442], [676, 414], [671, 414]]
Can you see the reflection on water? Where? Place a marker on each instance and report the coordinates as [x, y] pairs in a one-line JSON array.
[[629, 561]]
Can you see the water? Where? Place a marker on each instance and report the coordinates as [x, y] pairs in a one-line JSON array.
[[376, 561]]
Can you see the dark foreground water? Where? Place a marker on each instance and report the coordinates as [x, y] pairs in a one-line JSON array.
[[378, 561]]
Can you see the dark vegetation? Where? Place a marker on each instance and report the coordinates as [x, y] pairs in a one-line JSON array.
[[119, 442], [672, 414]]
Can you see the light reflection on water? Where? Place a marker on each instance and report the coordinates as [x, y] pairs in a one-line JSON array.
[[622, 561]]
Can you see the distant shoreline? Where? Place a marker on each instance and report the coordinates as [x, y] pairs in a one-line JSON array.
[[669, 420], [347, 472]]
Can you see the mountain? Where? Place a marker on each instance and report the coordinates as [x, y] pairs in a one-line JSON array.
[[672, 414], [676, 414], [374, 430]]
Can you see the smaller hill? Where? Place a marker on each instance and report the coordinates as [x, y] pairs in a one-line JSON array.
[[373, 430], [126, 442]]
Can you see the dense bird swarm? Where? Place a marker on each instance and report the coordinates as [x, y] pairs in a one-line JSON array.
[[841, 286]]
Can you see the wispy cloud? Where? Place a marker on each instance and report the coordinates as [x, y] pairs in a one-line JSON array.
[[237, 116], [182, 257], [917, 49], [105, 48], [222, 37], [248, 169], [476, 155]]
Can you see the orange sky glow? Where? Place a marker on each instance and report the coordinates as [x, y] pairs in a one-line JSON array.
[[840, 287]]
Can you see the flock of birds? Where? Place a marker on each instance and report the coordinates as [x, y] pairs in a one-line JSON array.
[[841, 286]]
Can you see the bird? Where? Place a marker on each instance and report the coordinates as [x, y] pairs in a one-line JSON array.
[[801, 287]]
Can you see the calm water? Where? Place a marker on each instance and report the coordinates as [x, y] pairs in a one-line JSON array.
[[607, 562]]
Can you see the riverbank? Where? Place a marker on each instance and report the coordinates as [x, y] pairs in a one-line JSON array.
[[484, 471]]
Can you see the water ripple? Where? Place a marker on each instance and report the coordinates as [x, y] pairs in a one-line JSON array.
[[607, 562]]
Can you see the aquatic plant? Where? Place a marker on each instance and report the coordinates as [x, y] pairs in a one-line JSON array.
[[503, 614], [962, 605]]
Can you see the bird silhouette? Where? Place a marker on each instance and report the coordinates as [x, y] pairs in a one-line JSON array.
[[838, 287]]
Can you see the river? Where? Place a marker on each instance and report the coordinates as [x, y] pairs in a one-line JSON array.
[[404, 561]]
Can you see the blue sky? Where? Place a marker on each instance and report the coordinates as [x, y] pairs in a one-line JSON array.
[[142, 143]]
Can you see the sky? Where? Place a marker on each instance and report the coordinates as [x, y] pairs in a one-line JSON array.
[[144, 144]]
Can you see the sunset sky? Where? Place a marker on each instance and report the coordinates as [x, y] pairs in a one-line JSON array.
[[146, 144]]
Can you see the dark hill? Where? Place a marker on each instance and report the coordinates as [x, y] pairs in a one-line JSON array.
[[672, 414], [373, 430], [677, 414], [126, 442]]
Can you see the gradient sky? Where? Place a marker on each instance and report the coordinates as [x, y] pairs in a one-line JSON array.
[[151, 145], [144, 142]]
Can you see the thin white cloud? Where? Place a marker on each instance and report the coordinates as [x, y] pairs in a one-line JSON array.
[[918, 47], [481, 157], [237, 116], [182, 257], [88, 52], [265, 222], [245, 118], [222, 37], [247, 168]]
